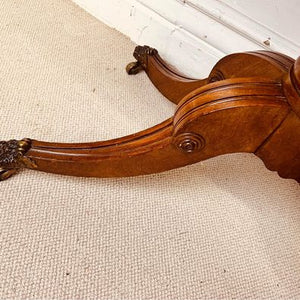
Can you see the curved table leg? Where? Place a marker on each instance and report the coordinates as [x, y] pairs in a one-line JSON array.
[[256, 110], [235, 115], [175, 86], [171, 84]]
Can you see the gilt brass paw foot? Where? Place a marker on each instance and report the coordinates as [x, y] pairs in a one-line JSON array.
[[12, 157], [141, 54]]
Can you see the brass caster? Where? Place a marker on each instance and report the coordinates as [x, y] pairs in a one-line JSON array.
[[5, 174], [134, 68]]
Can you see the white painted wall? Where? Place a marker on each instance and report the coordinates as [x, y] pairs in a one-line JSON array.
[[193, 35], [282, 16]]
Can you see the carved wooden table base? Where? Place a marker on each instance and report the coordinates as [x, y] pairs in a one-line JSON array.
[[249, 103]]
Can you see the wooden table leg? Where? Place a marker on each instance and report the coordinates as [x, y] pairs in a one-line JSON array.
[[249, 103]]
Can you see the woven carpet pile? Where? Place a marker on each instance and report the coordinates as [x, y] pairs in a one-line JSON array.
[[226, 228]]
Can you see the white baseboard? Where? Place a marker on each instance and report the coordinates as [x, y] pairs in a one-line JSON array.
[[191, 35]]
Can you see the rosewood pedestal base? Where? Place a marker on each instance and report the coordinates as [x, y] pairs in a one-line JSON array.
[[249, 103]]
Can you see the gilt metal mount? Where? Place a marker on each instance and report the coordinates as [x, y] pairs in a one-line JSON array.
[[12, 157]]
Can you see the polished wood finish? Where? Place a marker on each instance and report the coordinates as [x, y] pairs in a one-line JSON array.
[[250, 102]]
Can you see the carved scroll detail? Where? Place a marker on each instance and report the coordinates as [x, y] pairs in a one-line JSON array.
[[189, 142], [216, 75]]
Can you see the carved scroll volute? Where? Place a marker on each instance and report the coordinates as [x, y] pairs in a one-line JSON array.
[[228, 116], [12, 157], [189, 142]]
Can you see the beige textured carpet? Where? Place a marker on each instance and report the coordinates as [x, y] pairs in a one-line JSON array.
[[226, 228]]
